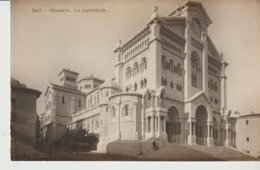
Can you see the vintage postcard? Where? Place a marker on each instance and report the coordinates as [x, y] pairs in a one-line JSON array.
[[121, 80]]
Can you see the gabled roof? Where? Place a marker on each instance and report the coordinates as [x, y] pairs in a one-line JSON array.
[[197, 96], [192, 4], [90, 78], [67, 89], [68, 70]]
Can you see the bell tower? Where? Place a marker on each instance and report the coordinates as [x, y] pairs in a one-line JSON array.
[[69, 78]]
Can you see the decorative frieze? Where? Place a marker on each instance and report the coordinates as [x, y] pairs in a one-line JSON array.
[[213, 49], [176, 21], [171, 46], [171, 35], [197, 42], [136, 38], [135, 49]]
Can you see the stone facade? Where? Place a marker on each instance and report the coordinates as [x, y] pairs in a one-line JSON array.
[[169, 83], [245, 133], [23, 111]]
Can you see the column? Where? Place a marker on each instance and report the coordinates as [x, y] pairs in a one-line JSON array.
[[143, 118], [205, 63], [152, 124], [194, 132], [227, 141], [191, 137], [135, 134], [223, 86], [209, 134], [159, 123]]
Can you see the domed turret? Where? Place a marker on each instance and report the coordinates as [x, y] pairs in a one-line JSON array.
[[109, 83]]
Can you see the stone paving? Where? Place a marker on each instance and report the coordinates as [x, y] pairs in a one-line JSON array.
[[175, 152]]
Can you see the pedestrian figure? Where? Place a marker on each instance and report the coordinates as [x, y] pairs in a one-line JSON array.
[[155, 147]]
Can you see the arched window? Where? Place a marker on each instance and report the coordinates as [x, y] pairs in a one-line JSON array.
[[196, 28], [179, 69], [135, 69], [216, 86], [113, 112], [165, 82], [145, 82], [162, 81], [195, 60], [128, 73], [171, 84], [143, 64], [135, 87], [126, 108], [171, 66], [164, 62], [210, 84], [142, 84]]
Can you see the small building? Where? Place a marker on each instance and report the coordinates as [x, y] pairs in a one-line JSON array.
[[23, 111], [62, 101], [247, 138]]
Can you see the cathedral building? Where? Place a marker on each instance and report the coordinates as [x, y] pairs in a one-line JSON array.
[[169, 83]]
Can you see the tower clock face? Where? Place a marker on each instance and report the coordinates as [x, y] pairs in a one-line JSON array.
[[196, 30]]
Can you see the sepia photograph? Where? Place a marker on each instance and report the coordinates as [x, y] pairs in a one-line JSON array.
[[139, 80]]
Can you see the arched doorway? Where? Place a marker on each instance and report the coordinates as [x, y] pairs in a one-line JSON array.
[[173, 125], [201, 125]]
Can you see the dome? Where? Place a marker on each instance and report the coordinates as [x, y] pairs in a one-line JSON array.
[[109, 83]]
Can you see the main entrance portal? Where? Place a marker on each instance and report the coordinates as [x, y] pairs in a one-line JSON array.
[[173, 125], [201, 125]]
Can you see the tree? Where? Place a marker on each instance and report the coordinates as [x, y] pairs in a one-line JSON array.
[[37, 133]]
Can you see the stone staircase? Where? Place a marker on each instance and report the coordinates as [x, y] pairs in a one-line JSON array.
[[222, 152], [181, 152]]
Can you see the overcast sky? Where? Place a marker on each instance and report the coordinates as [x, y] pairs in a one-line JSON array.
[[44, 43]]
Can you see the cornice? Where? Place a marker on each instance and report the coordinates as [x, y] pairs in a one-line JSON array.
[[125, 94], [213, 49], [197, 42], [197, 5], [144, 32], [173, 36]]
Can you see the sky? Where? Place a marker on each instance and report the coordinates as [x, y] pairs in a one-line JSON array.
[[43, 43]]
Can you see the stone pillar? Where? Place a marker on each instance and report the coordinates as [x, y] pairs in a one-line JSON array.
[[152, 124], [191, 137], [143, 118], [118, 66], [223, 86], [73, 109], [227, 140], [159, 124], [209, 135], [119, 121], [205, 63], [155, 53], [135, 134], [187, 51]]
